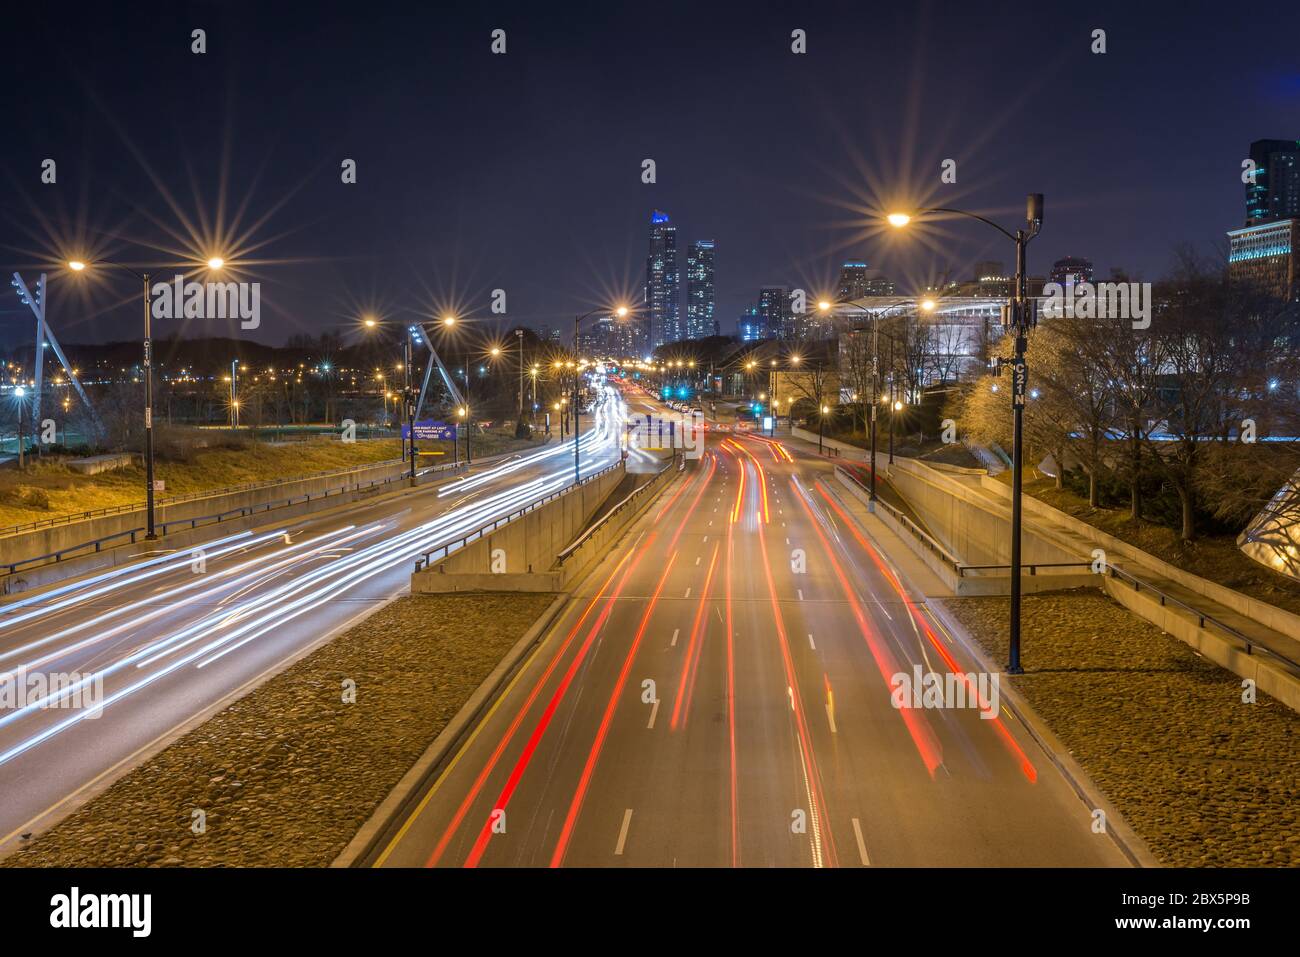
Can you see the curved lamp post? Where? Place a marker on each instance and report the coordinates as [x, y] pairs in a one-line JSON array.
[[875, 316], [1018, 317], [77, 265]]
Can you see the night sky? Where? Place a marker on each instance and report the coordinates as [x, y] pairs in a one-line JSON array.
[[523, 171]]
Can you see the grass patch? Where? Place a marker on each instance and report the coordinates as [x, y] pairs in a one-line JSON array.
[[1205, 779], [287, 774], [49, 488]]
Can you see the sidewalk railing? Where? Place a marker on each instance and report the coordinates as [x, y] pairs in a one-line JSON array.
[[1032, 567]]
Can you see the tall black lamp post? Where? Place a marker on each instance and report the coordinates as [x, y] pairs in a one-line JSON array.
[[77, 265], [1018, 317]]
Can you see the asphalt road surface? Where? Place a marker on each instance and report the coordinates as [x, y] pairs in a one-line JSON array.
[[718, 693], [144, 649]]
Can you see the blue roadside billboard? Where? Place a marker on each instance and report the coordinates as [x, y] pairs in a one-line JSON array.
[[439, 431]]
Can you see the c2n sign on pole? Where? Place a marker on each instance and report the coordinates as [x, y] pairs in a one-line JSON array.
[[432, 431]]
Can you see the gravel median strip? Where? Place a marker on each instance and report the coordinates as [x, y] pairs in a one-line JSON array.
[[1206, 779], [287, 774]]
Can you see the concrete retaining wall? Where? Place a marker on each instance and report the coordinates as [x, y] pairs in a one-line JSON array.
[[970, 584], [1278, 619], [96, 464], [841, 449], [965, 522], [1270, 677], [530, 544]]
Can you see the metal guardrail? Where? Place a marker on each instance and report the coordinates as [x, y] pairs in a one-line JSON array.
[[71, 517], [136, 534], [582, 539], [1249, 645], [456, 544]]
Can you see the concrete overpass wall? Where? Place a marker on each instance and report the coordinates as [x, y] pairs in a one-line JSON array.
[[519, 555], [971, 525]]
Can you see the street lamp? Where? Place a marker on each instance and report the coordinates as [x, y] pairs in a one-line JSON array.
[[20, 393], [462, 413], [875, 316], [77, 265], [1018, 316], [519, 341]]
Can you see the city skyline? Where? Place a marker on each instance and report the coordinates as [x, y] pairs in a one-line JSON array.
[[807, 225], [653, 442]]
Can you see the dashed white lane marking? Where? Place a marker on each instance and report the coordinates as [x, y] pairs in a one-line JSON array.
[[811, 644], [857, 833], [800, 591], [706, 538], [688, 593], [654, 710], [673, 643], [831, 716], [622, 832], [697, 559]]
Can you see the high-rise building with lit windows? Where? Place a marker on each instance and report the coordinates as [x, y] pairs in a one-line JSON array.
[[1264, 255], [1266, 258], [700, 321], [1071, 270], [750, 326], [663, 283], [774, 311], [1273, 186], [858, 280]]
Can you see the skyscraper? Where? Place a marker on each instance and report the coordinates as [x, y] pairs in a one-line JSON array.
[[774, 311], [1071, 270], [1264, 255], [699, 291], [856, 282], [1275, 192], [662, 282], [1266, 258], [853, 281], [750, 326]]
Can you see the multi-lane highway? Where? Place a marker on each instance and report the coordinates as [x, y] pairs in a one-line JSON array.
[[145, 648], [717, 693]]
